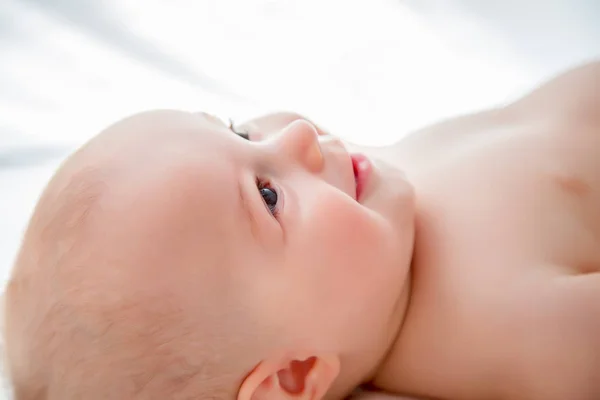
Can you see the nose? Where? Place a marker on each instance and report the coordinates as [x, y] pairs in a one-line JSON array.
[[300, 141]]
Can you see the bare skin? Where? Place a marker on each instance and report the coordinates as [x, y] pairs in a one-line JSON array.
[[506, 299], [144, 225], [506, 290]]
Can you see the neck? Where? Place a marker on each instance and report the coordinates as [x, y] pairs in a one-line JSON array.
[[387, 374], [363, 369], [404, 302]]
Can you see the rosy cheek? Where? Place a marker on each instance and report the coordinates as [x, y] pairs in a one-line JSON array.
[[341, 234]]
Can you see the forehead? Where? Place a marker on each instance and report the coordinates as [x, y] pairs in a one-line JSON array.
[[174, 174], [189, 160], [165, 148], [169, 126]]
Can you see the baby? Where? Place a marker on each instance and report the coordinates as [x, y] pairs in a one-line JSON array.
[[171, 258]]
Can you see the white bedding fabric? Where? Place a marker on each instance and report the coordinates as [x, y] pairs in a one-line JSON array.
[[370, 71]]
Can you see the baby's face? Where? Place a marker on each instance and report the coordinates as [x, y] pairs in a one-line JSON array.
[[320, 260], [304, 255]]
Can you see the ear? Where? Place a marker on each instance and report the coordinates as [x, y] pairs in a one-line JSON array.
[[297, 377]]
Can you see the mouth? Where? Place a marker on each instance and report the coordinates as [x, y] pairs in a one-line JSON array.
[[361, 166]]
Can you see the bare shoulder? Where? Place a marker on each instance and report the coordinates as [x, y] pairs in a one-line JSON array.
[[572, 94]]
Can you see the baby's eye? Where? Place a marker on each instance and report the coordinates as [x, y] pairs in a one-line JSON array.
[[269, 196]]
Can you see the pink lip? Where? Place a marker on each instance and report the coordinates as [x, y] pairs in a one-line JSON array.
[[362, 170]]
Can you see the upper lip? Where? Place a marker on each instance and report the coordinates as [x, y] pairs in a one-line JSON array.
[[353, 176], [338, 150]]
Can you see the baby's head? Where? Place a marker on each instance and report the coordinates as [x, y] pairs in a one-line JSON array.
[[171, 258]]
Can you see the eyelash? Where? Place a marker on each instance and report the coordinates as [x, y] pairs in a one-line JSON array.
[[261, 184], [232, 128]]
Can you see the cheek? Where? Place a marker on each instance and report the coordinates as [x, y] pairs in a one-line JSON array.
[[346, 262], [342, 239], [342, 260]]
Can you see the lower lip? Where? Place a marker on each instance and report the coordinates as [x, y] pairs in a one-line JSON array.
[[362, 170]]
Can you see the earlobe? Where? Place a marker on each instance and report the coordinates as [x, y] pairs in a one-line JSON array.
[[291, 377]]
